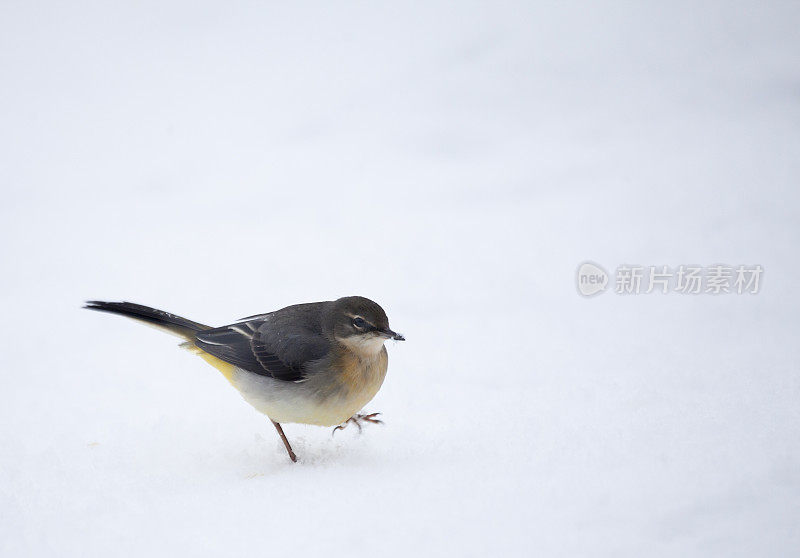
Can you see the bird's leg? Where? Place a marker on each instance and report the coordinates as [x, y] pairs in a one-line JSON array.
[[292, 456], [356, 419], [369, 418], [342, 426]]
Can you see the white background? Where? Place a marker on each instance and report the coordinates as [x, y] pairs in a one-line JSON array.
[[455, 162]]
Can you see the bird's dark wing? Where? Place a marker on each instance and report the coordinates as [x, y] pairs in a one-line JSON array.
[[279, 344]]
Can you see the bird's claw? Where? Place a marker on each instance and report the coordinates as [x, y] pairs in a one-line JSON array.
[[356, 419]]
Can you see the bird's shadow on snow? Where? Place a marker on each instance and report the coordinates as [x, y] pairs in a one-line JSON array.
[[314, 450]]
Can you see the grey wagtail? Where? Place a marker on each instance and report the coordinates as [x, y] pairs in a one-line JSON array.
[[317, 363]]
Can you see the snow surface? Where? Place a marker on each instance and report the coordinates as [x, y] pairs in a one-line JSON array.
[[455, 162]]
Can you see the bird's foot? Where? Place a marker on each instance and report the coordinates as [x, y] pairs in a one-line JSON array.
[[357, 419]]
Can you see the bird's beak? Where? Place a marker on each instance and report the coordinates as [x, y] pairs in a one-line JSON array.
[[389, 334]]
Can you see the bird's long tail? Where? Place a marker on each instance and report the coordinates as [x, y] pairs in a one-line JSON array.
[[170, 323]]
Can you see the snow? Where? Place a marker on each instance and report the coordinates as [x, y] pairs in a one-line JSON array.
[[455, 163]]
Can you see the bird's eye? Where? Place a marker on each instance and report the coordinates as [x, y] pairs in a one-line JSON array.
[[359, 322]]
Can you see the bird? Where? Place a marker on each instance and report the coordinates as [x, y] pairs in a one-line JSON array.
[[315, 363]]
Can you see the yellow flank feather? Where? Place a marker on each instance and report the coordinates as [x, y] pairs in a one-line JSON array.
[[225, 367]]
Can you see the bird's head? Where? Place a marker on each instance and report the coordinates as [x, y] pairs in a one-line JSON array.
[[360, 325]]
